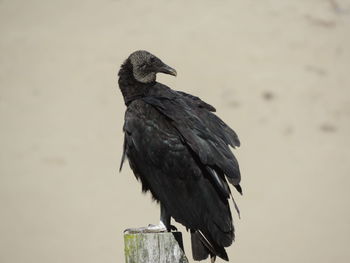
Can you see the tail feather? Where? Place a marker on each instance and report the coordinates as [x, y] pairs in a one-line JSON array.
[[200, 251], [202, 248]]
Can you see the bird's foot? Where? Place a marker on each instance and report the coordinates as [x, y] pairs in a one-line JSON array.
[[173, 228], [148, 229]]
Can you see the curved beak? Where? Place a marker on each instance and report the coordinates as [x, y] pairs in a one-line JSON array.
[[167, 70]]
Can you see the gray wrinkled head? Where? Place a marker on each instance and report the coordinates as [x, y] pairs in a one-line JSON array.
[[146, 66]]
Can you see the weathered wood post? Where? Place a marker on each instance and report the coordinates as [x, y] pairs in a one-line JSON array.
[[166, 247]]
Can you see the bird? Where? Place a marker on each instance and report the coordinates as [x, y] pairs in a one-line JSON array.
[[180, 151]]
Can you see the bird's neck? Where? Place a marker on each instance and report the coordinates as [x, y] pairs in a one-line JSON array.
[[129, 86]]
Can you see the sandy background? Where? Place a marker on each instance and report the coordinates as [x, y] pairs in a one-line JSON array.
[[277, 72]]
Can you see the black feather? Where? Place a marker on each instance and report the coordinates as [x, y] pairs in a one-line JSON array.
[[179, 150]]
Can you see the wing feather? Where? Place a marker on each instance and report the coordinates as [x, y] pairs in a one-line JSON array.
[[194, 195], [207, 135]]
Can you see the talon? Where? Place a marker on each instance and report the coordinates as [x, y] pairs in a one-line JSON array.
[[149, 229], [173, 228]]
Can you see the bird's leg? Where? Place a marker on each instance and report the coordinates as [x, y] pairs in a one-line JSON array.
[[163, 226], [165, 219], [164, 223]]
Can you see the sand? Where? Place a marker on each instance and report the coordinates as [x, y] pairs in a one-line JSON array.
[[277, 72]]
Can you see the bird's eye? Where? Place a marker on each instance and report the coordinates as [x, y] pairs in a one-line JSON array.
[[152, 59]]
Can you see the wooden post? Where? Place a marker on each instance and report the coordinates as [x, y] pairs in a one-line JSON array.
[[165, 247]]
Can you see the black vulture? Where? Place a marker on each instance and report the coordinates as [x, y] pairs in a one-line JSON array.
[[180, 151]]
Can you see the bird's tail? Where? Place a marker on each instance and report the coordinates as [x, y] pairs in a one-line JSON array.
[[202, 248]]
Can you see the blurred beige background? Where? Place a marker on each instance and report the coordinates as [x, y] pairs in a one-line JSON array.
[[277, 72]]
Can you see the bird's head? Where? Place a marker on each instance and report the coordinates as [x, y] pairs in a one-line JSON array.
[[145, 66]]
